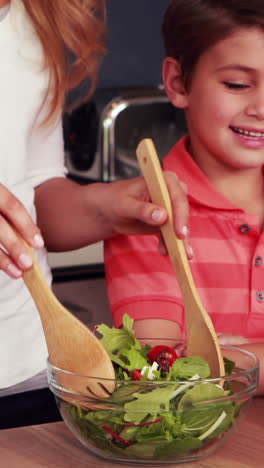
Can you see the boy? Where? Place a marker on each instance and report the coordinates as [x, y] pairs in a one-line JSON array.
[[214, 71]]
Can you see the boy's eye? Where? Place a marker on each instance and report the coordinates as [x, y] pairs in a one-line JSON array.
[[231, 85]]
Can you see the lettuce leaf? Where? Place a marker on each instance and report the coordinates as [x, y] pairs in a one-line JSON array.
[[122, 346], [184, 368], [176, 447], [151, 402]]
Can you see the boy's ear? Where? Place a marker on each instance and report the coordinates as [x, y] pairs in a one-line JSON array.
[[173, 83]]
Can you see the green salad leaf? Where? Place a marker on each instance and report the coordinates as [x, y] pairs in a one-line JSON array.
[[229, 366], [186, 367], [201, 392], [177, 447], [205, 420], [122, 346], [134, 359], [152, 401]]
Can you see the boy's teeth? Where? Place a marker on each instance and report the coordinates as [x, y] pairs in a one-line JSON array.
[[249, 133]]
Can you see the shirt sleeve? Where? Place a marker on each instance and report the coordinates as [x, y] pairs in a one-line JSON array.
[[137, 274], [45, 152]]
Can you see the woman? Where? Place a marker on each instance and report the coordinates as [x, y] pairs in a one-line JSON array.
[[37, 201]]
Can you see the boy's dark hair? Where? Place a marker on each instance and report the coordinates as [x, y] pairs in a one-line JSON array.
[[190, 27]]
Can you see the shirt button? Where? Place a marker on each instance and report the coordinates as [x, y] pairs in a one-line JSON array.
[[258, 261], [244, 228], [260, 296]]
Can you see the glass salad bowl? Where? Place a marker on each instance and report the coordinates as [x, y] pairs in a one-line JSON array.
[[156, 416]]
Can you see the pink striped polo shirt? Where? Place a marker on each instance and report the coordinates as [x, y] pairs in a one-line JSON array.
[[228, 263]]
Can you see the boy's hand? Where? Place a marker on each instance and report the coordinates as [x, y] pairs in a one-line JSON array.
[[14, 258]]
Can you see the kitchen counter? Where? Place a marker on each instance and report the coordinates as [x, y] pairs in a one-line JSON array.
[[53, 444]]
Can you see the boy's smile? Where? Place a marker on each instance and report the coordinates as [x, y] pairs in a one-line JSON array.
[[225, 104]]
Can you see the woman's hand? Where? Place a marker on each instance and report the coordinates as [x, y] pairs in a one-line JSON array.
[[14, 258], [127, 208]]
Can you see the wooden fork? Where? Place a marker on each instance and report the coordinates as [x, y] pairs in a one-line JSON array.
[[71, 345], [201, 337]]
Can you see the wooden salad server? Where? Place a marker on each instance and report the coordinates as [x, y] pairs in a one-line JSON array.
[[71, 345], [200, 333]]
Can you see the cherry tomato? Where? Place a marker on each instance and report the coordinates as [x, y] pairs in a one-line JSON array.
[[136, 374], [163, 355]]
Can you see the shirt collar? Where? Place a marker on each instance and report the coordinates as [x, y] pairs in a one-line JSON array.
[[200, 190]]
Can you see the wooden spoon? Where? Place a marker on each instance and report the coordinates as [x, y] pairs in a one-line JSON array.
[[201, 337], [71, 345]]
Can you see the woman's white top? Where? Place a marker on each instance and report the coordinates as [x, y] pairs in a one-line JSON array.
[[29, 156]]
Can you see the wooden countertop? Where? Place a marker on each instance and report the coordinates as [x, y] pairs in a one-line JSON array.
[[53, 444]]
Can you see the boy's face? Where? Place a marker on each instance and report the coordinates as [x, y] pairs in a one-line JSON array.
[[225, 104]]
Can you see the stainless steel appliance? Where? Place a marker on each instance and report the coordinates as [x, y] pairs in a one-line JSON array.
[[121, 118]]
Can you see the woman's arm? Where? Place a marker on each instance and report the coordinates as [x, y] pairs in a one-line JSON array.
[[71, 215]]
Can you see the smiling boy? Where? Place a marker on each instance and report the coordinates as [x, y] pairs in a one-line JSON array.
[[214, 70]]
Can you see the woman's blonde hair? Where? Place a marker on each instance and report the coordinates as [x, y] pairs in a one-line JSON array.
[[72, 33]]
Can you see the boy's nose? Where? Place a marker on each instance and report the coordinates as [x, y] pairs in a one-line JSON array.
[[255, 107]]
